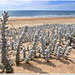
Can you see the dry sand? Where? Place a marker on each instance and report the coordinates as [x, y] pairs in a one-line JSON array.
[[31, 21], [39, 65]]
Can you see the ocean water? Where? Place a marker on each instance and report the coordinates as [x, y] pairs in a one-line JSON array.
[[39, 13]]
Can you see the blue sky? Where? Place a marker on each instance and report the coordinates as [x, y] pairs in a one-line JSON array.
[[37, 5]]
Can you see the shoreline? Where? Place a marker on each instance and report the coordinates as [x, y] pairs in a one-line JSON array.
[[42, 17], [24, 18]]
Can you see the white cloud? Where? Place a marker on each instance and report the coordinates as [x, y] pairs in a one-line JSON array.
[[44, 0], [33, 5]]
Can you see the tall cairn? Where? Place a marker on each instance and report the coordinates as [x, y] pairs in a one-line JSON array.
[[29, 56], [24, 52], [20, 44], [5, 47], [59, 37], [54, 43], [56, 48], [34, 44], [59, 52], [66, 45], [32, 52], [50, 49], [43, 46], [47, 55], [48, 38], [68, 50]]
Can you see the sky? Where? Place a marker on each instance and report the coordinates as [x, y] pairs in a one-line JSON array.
[[37, 5]]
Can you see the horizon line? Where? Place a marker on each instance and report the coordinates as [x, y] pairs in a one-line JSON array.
[[32, 10]]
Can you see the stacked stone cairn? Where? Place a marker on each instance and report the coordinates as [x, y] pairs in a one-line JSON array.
[[4, 44], [20, 44], [32, 52], [47, 41]]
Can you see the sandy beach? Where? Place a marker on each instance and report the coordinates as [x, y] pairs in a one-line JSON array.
[[33, 21], [39, 65], [37, 36]]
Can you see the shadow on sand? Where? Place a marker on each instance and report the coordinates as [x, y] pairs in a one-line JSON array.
[[35, 69], [67, 61], [31, 67], [45, 63], [64, 61], [71, 61]]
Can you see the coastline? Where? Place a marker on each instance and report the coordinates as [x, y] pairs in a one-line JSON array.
[[34, 21], [40, 17]]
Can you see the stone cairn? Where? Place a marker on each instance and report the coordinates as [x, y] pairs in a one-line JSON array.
[[32, 51], [4, 44], [46, 40], [20, 44]]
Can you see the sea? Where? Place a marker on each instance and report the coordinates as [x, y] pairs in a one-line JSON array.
[[39, 13]]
